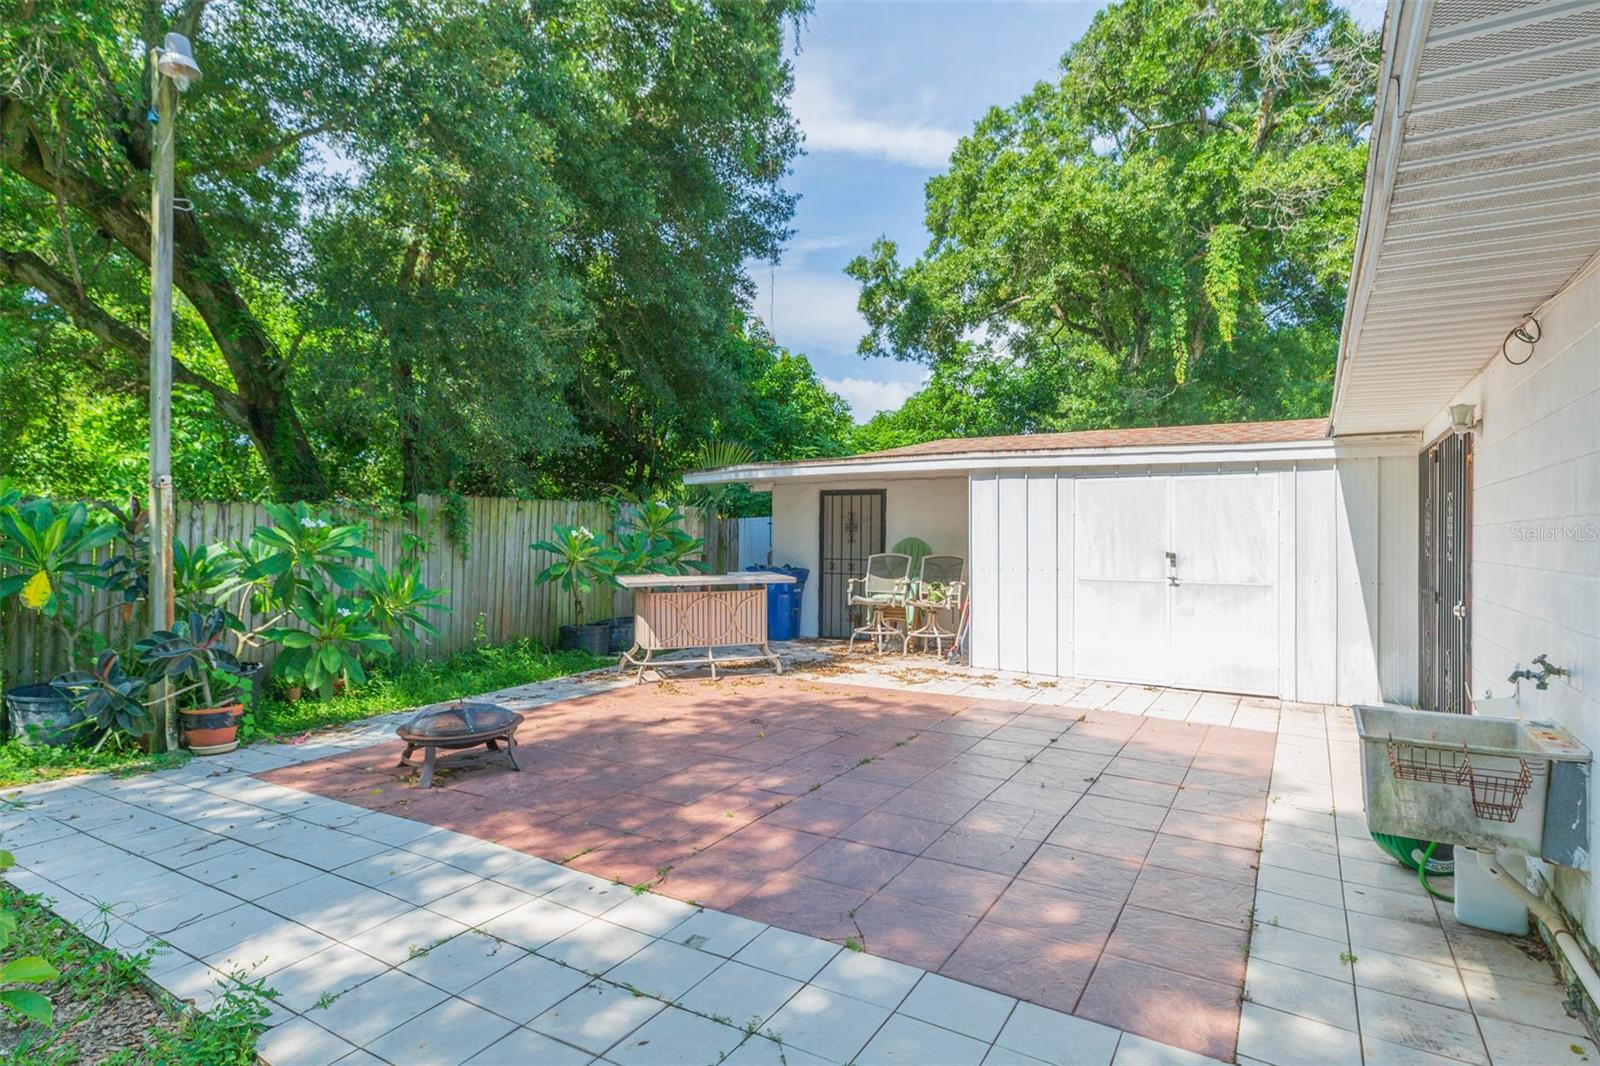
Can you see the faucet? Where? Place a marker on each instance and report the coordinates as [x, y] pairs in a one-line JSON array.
[[1540, 678]]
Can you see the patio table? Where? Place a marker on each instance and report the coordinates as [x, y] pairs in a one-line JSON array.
[[678, 612]]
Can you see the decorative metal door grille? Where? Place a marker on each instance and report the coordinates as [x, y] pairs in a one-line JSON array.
[[1444, 574], [851, 528]]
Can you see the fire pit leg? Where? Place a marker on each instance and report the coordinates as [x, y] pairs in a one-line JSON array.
[[429, 755], [511, 753], [405, 756]]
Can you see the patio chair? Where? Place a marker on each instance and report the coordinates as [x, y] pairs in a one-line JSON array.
[[941, 583], [881, 594]]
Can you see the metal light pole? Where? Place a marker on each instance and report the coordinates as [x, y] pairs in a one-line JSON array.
[[173, 69]]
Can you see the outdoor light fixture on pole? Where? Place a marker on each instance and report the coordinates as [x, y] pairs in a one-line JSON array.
[[173, 68]]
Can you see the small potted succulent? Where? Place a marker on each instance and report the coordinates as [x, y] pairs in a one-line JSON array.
[[582, 563]]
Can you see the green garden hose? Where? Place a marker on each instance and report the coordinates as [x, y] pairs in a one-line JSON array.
[[1417, 855]]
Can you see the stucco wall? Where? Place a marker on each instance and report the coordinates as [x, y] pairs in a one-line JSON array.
[[1536, 529], [934, 509]]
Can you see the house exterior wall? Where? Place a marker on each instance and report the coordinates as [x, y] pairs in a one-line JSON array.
[[934, 509], [1346, 605], [1536, 529]]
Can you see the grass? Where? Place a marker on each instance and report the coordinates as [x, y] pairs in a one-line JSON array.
[[390, 687], [95, 982]]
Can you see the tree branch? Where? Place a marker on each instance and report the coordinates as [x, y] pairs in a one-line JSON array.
[[28, 269], [272, 151]]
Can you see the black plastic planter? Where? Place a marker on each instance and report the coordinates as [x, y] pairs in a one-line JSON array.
[[38, 714], [594, 638], [621, 634]]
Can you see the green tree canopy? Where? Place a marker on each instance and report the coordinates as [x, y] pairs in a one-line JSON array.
[[432, 244], [1162, 235]]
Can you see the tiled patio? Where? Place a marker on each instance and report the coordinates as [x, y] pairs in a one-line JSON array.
[[389, 939], [1093, 862]]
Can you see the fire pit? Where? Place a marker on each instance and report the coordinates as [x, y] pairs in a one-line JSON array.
[[454, 726]]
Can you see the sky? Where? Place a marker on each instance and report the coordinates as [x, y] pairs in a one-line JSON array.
[[883, 90]]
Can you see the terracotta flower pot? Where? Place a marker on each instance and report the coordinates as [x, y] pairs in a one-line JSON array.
[[212, 730], [293, 693]]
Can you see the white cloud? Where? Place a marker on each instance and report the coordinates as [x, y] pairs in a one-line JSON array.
[[866, 397], [807, 310], [834, 125]]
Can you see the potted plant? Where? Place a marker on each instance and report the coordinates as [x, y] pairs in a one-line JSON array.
[[192, 655], [108, 700], [325, 651], [582, 563], [44, 560]]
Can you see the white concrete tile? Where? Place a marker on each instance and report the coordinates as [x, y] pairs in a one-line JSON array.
[[1512, 1043], [868, 977], [479, 902], [664, 969], [676, 1038], [758, 1050], [1057, 1038], [1292, 991], [329, 972], [827, 1023], [650, 913], [1377, 1052], [595, 946], [789, 954], [535, 923], [1281, 1039], [1303, 916], [526, 988], [1133, 1050], [446, 1035], [716, 932], [591, 895], [527, 1046], [967, 1009], [596, 1016], [1415, 978], [334, 906], [914, 1042], [375, 1007], [1424, 1026], [1411, 905], [1415, 940], [1537, 1003], [221, 931], [746, 995], [462, 961], [400, 938], [1288, 947], [301, 1043]]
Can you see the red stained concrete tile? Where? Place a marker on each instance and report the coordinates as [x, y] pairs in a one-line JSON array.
[[1199, 857], [1085, 921], [1008, 819], [1224, 804], [627, 812], [934, 806], [894, 831], [1081, 872], [1018, 963], [995, 852], [852, 865], [1082, 833], [949, 887], [909, 932], [710, 881], [891, 770], [1189, 946], [1207, 899], [1234, 832], [1127, 813], [763, 847], [815, 815], [1132, 788], [854, 793], [1187, 1012], [1226, 782], [1145, 770], [803, 905]]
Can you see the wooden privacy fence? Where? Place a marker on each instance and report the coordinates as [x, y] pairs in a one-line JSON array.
[[489, 575]]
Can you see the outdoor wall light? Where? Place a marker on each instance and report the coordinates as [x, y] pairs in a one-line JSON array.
[[1463, 418], [176, 60]]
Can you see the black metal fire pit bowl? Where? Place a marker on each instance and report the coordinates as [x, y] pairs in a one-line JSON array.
[[454, 726]]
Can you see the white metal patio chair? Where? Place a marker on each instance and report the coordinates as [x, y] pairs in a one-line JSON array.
[[940, 586], [881, 595]]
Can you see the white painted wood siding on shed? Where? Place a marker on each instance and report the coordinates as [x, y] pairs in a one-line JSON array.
[[1343, 625]]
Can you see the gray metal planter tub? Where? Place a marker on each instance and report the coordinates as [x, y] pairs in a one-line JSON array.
[[38, 714]]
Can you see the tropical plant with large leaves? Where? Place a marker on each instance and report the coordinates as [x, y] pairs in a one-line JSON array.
[[335, 634], [302, 544], [399, 601], [114, 702], [45, 550], [582, 564]]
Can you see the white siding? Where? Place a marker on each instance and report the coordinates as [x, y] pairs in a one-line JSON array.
[[1536, 530], [1345, 572]]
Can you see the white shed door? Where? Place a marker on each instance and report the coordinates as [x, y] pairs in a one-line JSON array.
[[1175, 580], [1225, 582], [1119, 616]]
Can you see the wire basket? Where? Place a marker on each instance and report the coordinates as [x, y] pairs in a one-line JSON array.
[[1497, 794]]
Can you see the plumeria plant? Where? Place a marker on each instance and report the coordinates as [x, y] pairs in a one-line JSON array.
[[582, 563], [335, 632]]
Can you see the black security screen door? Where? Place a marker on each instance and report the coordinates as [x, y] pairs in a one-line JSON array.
[[851, 529], [1444, 575]]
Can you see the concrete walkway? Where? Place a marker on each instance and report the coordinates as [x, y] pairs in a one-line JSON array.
[[390, 940]]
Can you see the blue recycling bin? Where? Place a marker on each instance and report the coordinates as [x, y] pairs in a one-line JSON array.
[[783, 601]]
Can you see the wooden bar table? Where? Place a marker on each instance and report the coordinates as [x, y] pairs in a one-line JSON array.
[[688, 612]]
